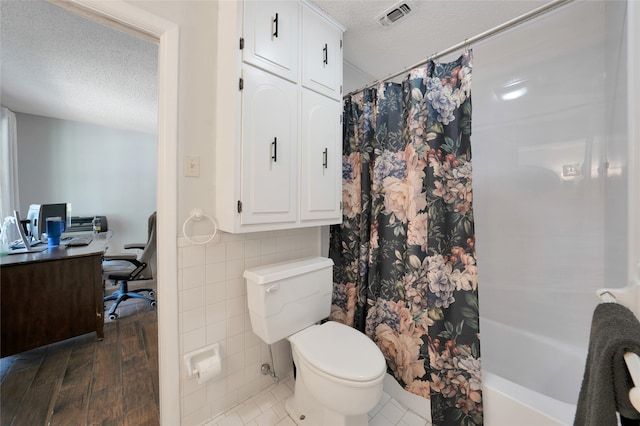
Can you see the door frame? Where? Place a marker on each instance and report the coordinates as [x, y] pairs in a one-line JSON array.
[[125, 16]]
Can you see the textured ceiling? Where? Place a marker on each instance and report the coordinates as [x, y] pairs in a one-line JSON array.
[[432, 26], [57, 64]]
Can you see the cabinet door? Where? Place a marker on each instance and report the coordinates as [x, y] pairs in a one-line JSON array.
[[321, 55], [271, 33], [269, 150], [321, 144]]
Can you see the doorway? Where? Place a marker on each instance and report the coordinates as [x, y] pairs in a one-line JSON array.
[[128, 17]]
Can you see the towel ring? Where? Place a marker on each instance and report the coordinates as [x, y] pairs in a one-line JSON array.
[[196, 215]]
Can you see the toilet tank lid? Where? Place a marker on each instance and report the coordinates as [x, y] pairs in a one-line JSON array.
[[279, 271]]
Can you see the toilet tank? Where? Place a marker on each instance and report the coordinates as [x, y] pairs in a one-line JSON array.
[[287, 297]]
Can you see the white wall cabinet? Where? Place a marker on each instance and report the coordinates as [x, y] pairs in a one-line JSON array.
[[269, 149], [282, 168], [321, 183], [271, 37], [321, 55]]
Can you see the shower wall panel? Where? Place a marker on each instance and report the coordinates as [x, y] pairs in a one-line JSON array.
[[549, 149]]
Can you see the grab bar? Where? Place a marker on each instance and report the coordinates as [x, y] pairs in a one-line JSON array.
[[607, 297], [628, 296], [630, 358]]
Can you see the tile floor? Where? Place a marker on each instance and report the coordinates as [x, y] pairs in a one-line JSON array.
[[267, 409]]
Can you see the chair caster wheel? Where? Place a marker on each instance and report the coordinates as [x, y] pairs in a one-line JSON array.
[[153, 304], [152, 293], [113, 317]]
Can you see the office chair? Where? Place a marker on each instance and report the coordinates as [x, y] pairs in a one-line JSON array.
[[122, 268]]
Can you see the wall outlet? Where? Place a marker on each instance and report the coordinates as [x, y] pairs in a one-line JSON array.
[[191, 166]]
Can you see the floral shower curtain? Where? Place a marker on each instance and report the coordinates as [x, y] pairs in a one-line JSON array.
[[405, 268]]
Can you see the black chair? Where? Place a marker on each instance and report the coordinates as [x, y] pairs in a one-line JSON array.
[[123, 268]]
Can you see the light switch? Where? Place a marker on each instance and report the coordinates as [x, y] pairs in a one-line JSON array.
[[191, 166]]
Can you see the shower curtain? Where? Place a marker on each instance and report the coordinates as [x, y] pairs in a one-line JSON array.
[[405, 269]]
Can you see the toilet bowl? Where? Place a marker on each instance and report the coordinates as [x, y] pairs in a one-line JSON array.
[[339, 376], [339, 369]]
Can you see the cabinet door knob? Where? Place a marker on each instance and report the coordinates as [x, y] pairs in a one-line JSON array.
[[325, 54], [275, 26], [324, 158], [274, 150]]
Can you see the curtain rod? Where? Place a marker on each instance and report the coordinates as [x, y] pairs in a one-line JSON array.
[[484, 35]]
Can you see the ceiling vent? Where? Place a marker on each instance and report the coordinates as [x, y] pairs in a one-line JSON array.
[[395, 13]]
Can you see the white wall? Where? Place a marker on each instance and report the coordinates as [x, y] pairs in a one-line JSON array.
[[210, 291], [354, 78], [99, 170], [196, 106]]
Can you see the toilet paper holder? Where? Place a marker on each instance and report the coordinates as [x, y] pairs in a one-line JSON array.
[[207, 357]]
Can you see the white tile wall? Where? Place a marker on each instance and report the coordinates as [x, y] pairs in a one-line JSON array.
[[213, 308]]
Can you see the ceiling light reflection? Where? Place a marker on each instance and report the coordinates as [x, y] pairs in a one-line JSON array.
[[513, 90], [514, 94]]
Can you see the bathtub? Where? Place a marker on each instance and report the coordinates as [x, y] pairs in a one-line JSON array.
[[537, 386], [508, 404], [505, 404], [528, 379]]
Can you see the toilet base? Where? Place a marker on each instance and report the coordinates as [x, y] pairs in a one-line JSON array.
[[304, 410]]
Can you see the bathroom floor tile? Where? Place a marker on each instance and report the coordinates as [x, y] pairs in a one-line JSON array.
[[249, 412], [231, 420], [268, 417], [392, 411], [282, 391], [266, 400], [267, 409], [380, 421], [411, 419], [287, 421]]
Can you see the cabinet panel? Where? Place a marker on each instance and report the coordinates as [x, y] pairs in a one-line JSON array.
[[321, 157], [321, 55], [279, 175], [271, 34], [269, 148]]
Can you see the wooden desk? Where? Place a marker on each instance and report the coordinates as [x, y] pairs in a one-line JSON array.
[[50, 296]]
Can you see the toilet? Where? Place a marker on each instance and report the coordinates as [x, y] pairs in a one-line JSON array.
[[339, 369]]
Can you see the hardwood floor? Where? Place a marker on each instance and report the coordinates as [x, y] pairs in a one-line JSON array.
[[82, 381]]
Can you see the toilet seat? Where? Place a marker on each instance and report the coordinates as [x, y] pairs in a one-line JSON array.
[[340, 351]]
